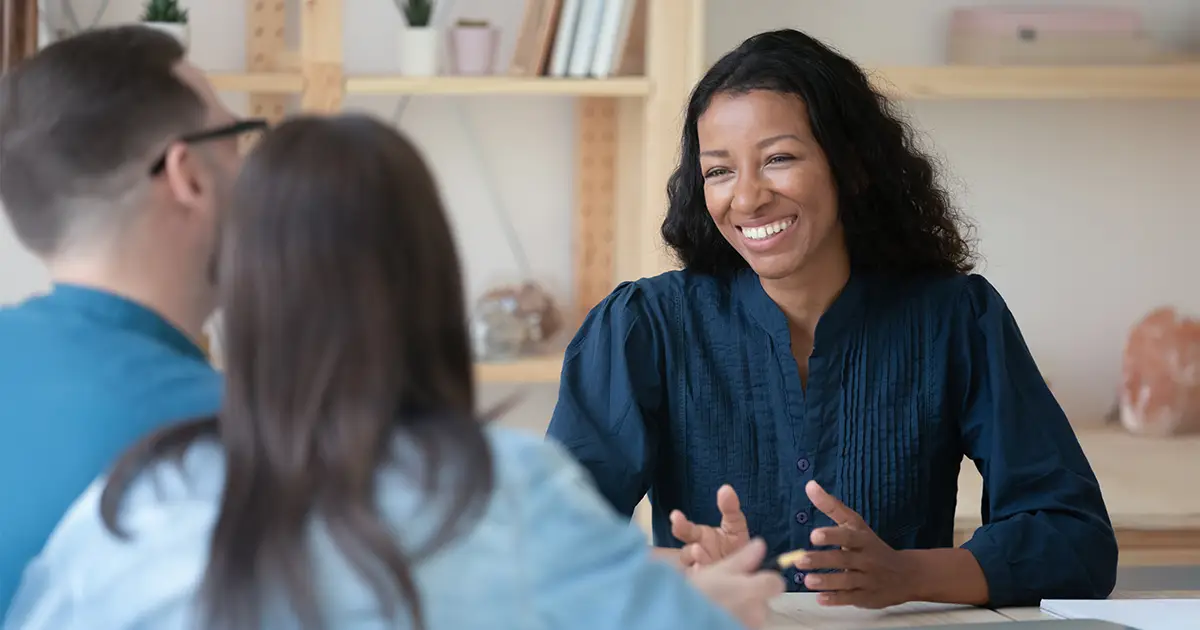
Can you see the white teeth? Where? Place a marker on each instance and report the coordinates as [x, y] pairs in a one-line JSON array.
[[763, 231]]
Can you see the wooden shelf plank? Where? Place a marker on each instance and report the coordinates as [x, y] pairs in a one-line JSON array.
[[1148, 483], [1161, 81], [1164, 81], [620, 86], [258, 82], [532, 370]]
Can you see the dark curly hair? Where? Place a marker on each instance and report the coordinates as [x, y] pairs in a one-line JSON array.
[[895, 215]]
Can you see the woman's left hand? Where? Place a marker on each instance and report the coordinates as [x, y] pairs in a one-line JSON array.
[[871, 573]]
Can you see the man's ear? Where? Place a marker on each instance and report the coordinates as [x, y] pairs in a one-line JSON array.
[[185, 177]]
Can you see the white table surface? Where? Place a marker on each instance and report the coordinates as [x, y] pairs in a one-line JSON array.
[[800, 611]]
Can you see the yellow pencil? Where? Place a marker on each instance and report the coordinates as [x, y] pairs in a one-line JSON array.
[[784, 561]]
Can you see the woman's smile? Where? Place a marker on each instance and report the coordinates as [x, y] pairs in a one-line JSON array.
[[758, 236]]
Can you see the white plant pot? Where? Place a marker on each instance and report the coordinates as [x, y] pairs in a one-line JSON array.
[[419, 50], [178, 31]]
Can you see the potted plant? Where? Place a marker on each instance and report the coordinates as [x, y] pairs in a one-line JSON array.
[[418, 48], [169, 17], [473, 47]]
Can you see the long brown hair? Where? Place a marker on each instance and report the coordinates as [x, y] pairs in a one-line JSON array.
[[345, 327]]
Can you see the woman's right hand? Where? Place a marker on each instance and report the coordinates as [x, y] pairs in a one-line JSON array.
[[737, 585], [704, 544]]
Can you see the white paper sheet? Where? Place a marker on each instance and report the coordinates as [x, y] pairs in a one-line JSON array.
[[1144, 614]]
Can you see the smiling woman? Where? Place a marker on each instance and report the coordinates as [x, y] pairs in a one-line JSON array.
[[819, 368]]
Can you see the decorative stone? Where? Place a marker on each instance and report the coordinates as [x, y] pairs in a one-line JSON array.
[[1160, 388], [514, 321]]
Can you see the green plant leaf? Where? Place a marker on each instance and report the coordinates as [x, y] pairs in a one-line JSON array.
[[417, 13], [164, 11]]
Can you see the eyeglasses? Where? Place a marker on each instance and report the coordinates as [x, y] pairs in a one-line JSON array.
[[224, 131]]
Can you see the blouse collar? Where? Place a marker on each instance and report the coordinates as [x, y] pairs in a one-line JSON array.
[[848, 307]]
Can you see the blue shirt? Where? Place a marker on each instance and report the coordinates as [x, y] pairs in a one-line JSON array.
[[83, 375], [680, 383], [546, 552]]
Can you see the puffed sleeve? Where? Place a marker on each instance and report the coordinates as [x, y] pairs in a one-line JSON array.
[[590, 567], [1046, 531], [610, 393]]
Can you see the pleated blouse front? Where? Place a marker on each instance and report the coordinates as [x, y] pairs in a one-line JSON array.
[[683, 382]]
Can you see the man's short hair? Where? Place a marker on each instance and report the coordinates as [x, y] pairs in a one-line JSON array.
[[80, 123]]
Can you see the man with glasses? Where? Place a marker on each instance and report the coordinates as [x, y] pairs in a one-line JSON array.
[[116, 159]]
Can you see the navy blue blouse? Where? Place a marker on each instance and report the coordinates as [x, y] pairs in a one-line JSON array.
[[680, 383]]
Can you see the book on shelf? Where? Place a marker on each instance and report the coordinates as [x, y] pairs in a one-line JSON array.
[[581, 39]]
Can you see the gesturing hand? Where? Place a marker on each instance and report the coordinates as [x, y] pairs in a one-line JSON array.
[[703, 544], [737, 585], [873, 575]]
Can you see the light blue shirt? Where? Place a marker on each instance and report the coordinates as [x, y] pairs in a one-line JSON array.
[[84, 374], [546, 553]]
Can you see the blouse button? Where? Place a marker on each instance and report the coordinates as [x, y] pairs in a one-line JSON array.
[[802, 518], [798, 577], [803, 464]]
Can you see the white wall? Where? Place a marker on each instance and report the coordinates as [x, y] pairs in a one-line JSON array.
[[1087, 210]]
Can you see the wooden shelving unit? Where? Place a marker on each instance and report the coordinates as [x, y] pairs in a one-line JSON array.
[[628, 130], [625, 140]]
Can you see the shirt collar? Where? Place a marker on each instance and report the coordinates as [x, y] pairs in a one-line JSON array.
[[116, 311], [847, 307]]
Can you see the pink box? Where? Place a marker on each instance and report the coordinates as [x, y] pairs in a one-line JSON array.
[[1024, 35], [1014, 20]]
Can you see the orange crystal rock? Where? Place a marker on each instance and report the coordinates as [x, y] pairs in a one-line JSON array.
[[1160, 388]]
